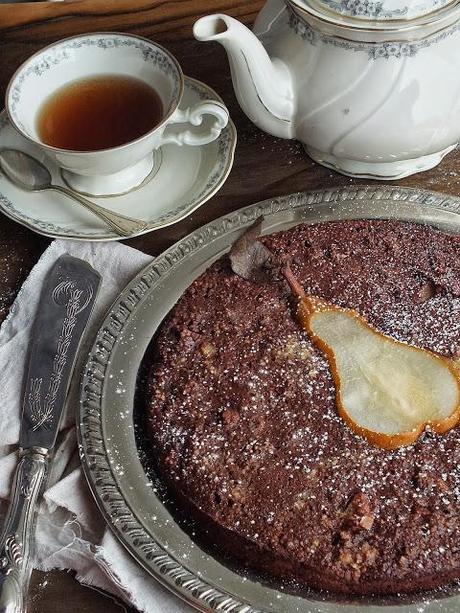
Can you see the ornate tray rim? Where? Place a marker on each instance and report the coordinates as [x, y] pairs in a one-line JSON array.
[[147, 546]]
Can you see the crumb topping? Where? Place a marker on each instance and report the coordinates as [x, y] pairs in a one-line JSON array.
[[243, 419]]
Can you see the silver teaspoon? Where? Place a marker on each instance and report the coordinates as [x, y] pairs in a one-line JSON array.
[[29, 173]]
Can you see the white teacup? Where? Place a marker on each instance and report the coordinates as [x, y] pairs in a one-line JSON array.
[[119, 169]]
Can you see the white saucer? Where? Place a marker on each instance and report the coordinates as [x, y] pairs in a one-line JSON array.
[[186, 179]]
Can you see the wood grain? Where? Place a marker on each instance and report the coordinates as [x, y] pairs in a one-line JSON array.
[[264, 166], [157, 18], [59, 592]]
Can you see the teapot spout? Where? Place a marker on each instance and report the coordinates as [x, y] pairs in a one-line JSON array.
[[262, 85]]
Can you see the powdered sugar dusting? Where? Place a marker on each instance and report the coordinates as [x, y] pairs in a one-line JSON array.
[[244, 419]]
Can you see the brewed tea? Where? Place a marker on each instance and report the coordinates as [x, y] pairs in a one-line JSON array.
[[99, 113]]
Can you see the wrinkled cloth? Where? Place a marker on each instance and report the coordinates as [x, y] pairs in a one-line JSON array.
[[70, 532]]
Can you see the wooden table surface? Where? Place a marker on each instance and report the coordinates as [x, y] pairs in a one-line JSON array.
[[264, 166]]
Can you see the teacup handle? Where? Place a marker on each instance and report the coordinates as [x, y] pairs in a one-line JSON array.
[[200, 134]]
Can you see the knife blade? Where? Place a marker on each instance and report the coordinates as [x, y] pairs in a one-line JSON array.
[[65, 306]]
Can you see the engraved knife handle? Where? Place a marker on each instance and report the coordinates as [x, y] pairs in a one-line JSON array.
[[17, 536]]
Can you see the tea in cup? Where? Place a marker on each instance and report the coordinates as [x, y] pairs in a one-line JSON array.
[[92, 114], [101, 106]]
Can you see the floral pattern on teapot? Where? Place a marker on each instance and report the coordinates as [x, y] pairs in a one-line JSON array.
[[380, 10], [384, 50]]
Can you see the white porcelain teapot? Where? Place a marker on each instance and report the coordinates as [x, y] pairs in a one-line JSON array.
[[370, 87]]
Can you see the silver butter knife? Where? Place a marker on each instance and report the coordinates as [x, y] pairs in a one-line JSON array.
[[65, 306]]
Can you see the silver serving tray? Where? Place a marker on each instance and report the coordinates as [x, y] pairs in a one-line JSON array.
[[131, 501]]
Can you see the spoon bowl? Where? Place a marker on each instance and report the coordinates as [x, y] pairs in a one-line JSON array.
[[30, 174], [24, 170]]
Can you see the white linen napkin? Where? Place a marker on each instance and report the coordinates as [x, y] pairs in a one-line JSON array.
[[71, 533]]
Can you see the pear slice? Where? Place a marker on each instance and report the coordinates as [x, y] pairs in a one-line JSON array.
[[387, 391]]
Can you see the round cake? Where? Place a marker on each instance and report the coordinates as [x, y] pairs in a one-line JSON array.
[[244, 425]]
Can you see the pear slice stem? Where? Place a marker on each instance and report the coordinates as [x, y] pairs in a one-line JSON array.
[[295, 286]]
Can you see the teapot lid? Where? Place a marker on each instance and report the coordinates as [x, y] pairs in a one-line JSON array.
[[375, 10]]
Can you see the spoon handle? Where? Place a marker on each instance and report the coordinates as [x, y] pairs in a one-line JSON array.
[[121, 224]]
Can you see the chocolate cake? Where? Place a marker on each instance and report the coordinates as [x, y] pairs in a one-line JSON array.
[[245, 429]]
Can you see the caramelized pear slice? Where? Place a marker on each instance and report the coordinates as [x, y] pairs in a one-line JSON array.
[[387, 391]]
